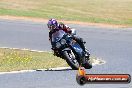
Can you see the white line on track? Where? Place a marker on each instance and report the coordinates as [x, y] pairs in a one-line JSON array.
[[25, 49], [12, 72], [98, 61], [49, 69]]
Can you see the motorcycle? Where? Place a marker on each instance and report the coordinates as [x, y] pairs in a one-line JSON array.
[[68, 49]]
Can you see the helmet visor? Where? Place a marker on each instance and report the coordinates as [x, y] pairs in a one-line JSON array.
[[51, 26]]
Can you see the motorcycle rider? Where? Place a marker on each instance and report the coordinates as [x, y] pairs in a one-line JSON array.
[[54, 26]]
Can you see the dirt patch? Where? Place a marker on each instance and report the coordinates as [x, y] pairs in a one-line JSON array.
[[67, 22]]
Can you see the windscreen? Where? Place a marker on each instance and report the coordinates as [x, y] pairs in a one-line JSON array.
[[57, 35]]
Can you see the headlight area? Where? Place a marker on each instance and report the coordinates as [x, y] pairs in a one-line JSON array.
[[58, 45], [63, 41]]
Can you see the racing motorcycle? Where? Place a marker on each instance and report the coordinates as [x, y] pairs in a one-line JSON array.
[[68, 49]]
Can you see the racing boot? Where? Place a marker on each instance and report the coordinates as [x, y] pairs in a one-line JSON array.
[[87, 54], [85, 50]]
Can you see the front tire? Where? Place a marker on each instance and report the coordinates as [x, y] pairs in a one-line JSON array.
[[71, 59]]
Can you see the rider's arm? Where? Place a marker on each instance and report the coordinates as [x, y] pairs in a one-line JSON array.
[[68, 29], [65, 28]]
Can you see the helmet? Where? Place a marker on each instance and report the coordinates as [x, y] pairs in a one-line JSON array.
[[52, 24]]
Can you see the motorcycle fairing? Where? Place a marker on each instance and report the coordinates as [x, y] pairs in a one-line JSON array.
[[77, 49]]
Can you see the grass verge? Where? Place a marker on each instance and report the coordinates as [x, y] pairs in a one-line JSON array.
[[14, 60], [95, 11]]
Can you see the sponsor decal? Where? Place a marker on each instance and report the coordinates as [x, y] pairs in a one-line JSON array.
[[83, 78]]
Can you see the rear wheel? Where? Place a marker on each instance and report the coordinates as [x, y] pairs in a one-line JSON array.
[[71, 59], [87, 64]]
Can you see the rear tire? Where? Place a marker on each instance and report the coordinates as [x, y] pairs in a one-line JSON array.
[[87, 64], [71, 59]]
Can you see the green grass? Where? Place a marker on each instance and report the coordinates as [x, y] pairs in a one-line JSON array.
[[13, 60], [96, 11], [16, 59]]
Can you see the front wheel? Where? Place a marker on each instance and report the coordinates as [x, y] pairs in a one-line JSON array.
[[71, 59]]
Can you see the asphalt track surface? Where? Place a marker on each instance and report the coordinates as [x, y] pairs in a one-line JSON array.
[[114, 45]]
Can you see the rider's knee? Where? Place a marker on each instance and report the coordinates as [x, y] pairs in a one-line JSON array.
[[82, 40]]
